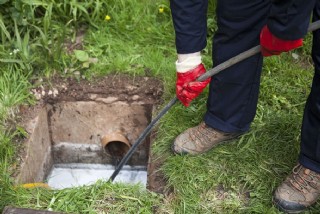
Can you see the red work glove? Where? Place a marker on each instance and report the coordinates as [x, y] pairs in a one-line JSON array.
[[187, 88], [272, 45]]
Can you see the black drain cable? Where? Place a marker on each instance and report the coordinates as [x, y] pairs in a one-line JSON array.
[[234, 60]]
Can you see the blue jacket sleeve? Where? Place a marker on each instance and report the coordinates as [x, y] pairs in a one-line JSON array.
[[190, 24], [289, 19]]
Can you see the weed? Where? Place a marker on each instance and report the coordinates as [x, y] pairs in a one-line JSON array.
[[14, 90]]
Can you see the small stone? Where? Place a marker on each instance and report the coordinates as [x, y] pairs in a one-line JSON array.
[[93, 96], [55, 92], [135, 97], [295, 56], [64, 86], [38, 96], [107, 100], [130, 87]]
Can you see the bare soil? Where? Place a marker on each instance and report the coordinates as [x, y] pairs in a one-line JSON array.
[[124, 87]]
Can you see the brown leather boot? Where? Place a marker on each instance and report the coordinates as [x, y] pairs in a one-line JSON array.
[[299, 191], [199, 139]]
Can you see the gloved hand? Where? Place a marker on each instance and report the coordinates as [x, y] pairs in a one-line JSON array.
[[272, 45], [187, 88]]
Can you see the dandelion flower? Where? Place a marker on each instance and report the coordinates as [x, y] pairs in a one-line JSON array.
[[161, 9], [107, 18]]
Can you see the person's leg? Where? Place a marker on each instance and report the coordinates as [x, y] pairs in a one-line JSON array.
[[310, 131], [233, 94], [302, 188]]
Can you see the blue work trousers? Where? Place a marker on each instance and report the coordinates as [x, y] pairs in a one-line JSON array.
[[310, 131], [233, 93]]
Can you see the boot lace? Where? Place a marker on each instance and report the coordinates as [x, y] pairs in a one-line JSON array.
[[304, 179]]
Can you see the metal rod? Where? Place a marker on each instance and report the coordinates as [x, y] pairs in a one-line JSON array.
[[141, 138], [232, 61]]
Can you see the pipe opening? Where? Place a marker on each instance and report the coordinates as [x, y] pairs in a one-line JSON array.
[[116, 145], [117, 148]]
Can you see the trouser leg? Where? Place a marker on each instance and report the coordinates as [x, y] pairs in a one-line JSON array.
[[310, 132], [233, 94]]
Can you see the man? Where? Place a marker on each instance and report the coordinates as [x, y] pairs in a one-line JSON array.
[[278, 26]]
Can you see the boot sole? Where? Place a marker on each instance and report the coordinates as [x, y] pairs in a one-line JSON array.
[[277, 204]]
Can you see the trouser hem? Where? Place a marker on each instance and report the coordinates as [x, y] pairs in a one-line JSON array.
[[308, 163], [217, 123]]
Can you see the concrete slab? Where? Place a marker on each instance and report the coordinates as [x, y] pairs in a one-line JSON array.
[[75, 175]]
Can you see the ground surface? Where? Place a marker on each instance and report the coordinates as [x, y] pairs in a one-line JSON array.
[[124, 87]]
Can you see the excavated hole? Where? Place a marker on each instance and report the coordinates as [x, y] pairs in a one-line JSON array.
[[77, 129], [65, 144]]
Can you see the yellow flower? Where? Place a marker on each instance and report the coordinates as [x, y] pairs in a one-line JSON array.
[[35, 185], [107, 18], [161, 9]]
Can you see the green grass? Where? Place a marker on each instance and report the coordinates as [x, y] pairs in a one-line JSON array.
[[14, 90], [139, 40], [99, 198]]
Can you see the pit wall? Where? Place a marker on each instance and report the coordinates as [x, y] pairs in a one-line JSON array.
[[37, 160], [77, 129]]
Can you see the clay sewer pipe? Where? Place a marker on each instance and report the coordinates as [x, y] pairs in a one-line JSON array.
[[115, 144]]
